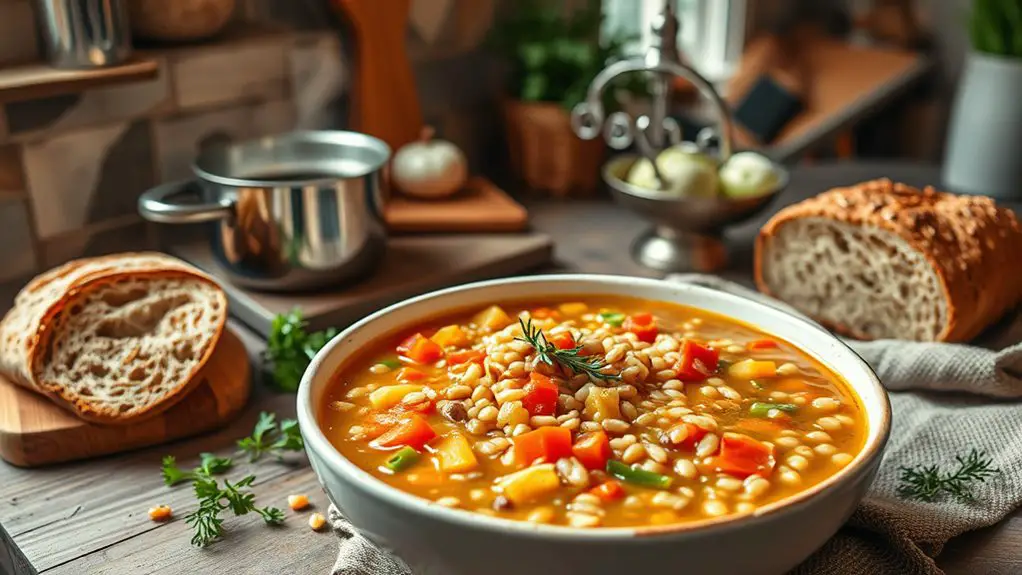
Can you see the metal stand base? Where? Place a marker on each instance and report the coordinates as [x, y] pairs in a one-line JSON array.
[[671, 250]]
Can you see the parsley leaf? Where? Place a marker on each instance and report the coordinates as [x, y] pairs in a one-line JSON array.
[[268, 437], [290, 349]]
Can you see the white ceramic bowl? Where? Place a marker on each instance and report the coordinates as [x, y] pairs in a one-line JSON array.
[[436, 540]]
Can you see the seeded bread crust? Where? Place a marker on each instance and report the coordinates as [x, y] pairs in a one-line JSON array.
[[49, 301], [972, 245]]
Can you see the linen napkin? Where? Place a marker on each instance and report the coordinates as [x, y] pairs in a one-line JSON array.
[[947, 399]]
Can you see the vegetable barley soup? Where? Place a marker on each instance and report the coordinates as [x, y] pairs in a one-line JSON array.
[[598, 411]]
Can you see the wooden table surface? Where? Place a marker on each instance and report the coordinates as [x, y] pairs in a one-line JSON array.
[[90, 517]]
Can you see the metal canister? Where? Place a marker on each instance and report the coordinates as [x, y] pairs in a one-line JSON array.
[[81, 34]]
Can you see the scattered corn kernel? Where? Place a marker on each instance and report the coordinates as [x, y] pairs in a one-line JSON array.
[[160, 513], [317, 521], [297, 502]]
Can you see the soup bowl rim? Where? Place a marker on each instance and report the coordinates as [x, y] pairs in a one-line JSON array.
[[318, 446]]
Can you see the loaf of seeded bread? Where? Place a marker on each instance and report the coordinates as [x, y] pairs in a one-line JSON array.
[[115, 339], [885, 260]]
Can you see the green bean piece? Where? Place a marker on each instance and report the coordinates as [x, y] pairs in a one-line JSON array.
[[638, 476], [403, 459], [391, 363], [762, 409], [613, 319]]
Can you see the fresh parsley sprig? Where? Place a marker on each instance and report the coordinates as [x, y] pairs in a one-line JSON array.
[[928, 483], [214, 499], [268, 437], [209, 465], [571, 359], [290, 349]]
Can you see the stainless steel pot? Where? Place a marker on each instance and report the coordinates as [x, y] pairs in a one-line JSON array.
[[299, 211]]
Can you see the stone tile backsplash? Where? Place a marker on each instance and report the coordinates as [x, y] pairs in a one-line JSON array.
[[72, 166]]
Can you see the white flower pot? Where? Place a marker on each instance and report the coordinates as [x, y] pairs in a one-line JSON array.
[[983, 153]]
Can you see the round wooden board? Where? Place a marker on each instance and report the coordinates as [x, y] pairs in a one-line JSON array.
[[35, 431]]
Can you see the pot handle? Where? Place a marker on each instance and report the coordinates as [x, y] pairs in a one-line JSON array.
[[154, 206]]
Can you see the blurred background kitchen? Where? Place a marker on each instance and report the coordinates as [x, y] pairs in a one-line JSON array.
[[809, 81]]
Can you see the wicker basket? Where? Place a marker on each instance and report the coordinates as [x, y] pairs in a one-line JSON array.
[[546, 155], [179, 20]]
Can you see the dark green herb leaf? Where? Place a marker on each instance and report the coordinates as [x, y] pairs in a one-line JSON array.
[[172, 474], [267, 437], [289, 349]]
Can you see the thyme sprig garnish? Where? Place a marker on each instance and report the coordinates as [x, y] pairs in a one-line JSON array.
[[928, 483], [571, 359]]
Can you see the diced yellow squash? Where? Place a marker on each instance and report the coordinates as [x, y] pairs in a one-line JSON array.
[[391, 395], [492, 318], [573, 308], [455, 454], [529, 483], [450, 336], [752, 369], [603, 403]]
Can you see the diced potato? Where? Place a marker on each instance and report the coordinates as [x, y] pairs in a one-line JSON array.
[[603, 403], [573, 308], [391, 395], [529, 483], [455, 454], [752, 369], [492, 318], [450, 336]]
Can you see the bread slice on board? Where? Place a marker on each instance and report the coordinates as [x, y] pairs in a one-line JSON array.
[[114, 339], [885, 260]]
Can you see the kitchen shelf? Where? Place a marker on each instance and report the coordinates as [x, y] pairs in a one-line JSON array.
[[39, 80]]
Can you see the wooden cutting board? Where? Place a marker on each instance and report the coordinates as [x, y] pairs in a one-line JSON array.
[[34, 431], [480, 207]]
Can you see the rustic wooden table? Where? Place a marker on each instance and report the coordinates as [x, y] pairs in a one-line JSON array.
[[90, 517]]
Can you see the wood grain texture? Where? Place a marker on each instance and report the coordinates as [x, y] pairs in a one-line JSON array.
[[74, 518], [34, 431], [480, 207]]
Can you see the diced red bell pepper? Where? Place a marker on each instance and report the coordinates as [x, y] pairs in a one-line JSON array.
[[420, 349], [697, 362], [540, 395], [409, 375], [643, 325], [762, 344], [593, 450], [742, 456], [695, 435], [466, 356], [609, 490], [413, 431], [563, 340], [547, 444]]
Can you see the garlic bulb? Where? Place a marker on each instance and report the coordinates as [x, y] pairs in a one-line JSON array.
[[429, 168]]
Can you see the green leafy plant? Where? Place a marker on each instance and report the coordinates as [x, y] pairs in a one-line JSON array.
[[290, 349], [928, 483], [554, 57], [995, 27], [268, 437], [213, 498]]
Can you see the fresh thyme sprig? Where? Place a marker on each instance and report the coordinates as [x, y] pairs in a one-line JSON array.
[[571, 359], [927, 483], [206, 521], [267, 437]]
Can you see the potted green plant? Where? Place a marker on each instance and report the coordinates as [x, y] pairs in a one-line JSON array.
[[553, 57], [985, 132]]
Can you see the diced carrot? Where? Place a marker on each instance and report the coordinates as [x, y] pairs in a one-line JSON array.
[[762, 344], [409, 375], [544, 313], [563, 340], [466, 356], [742, 456], [540, 395], [697, 362], [609, 490], [593, 450], [546, 444], [760, 426], [378, 423], [642, 325], [413, 431], [420, 349]]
